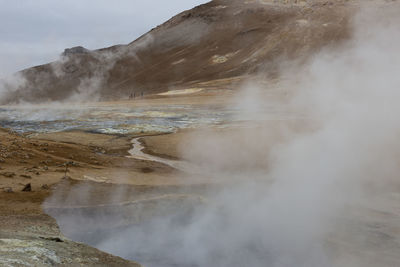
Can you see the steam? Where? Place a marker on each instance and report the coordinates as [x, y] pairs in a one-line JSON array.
[[77, 78], [289, 182]]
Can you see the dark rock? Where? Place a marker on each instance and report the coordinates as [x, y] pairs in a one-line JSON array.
[[55, 239], [45, 187], [27, 188], [75, 50], [8, 174]]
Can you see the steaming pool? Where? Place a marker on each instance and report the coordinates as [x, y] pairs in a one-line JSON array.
[[109, 119], [140, 218], [119, 119]]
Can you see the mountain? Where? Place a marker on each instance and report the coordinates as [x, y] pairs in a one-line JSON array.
[[222, 39]]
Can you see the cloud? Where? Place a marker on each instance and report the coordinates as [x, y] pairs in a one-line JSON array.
[[36, 31]]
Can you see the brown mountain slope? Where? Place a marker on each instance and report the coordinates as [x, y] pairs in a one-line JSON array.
[[220, 39]]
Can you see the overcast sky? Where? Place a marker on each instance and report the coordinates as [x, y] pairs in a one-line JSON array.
[[34, 32]]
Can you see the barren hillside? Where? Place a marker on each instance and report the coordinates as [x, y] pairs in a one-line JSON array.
[[218, 40]]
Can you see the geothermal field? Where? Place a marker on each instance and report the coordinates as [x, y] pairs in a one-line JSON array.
[[237, 133]]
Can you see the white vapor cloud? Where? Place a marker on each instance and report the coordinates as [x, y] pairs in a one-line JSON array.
[[308, 200]]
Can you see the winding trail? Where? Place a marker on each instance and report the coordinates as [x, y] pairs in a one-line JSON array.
[[137, 153]]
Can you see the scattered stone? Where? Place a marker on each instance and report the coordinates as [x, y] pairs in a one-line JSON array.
[[45, 168], [27, 188], [31, 170], [26, 176], [55, 239], [8, 190], [45, 187], [8, 174]]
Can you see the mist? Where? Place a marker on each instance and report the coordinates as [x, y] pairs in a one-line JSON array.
[[73, 76], [291, 184]]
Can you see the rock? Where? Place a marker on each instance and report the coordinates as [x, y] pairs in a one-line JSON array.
[[8, 174], [33, 250], [27, 188], [45, 187], [74, 164], [26, 176], [75, 50], [8, 190], [55, 239]]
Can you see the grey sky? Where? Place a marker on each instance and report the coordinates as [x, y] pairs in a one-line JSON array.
[[34, 32]]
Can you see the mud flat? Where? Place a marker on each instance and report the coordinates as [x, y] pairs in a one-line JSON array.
[[149, 189], [92, 187], [28, 236], [55, 165]]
